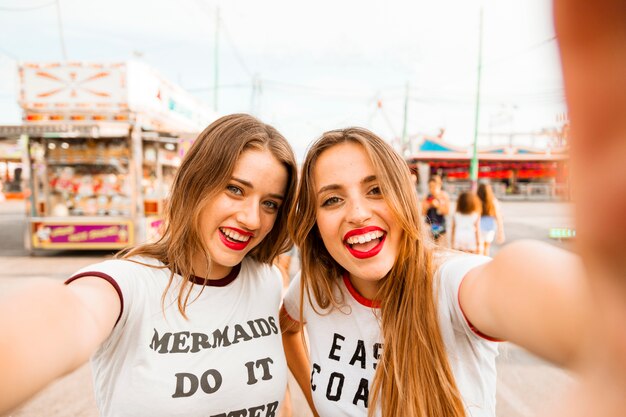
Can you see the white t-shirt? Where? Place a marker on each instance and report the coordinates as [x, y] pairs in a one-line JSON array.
[[345, 347], [465, 229], [226, 360]]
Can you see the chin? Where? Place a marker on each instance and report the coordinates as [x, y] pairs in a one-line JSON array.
[[232, 260], [369, 274], [227, 259]]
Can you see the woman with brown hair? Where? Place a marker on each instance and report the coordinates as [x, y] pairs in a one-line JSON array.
[[398, 326], [187, 325], [465, 223]]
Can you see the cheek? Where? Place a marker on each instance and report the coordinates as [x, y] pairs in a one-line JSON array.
[[327, 229], [267, 223]]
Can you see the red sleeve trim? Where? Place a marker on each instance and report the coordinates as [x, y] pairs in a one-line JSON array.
[[286, 313], [108, 279], [469, 323]]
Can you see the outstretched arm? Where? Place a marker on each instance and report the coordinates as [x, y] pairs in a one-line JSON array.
[[592, 42], [532, 294], [297, 356], [48, 330]]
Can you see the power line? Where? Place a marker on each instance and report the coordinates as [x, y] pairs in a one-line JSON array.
[[205, 89], [522, 51], [310, 89], [61, 37], [235, 51]]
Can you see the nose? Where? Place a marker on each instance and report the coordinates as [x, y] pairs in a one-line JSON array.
[[249, 214], [358, 211]]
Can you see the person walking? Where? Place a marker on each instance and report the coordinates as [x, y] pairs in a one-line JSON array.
[[491, 223], [435, 208], [466, 223]]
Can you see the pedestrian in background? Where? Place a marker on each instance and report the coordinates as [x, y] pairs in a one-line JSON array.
[[185, 326], [466, 223], [435, 208], [491, 223]]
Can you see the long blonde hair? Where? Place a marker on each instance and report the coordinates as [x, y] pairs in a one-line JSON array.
[[203, 173], [414, 377]]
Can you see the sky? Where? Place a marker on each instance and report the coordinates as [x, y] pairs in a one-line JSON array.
[[307, 67]]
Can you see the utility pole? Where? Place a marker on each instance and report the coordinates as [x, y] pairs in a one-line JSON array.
[[405, 144], [61, 36], [474, 162], [216, 59]]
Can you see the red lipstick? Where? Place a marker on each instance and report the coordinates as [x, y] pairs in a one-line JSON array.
[[373, 251], [235, 245]]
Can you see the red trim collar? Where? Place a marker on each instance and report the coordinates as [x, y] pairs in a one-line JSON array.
[[221, 282], [358, 297]]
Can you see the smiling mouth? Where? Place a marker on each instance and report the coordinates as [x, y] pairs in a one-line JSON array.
[[233, 239], [365, 245]]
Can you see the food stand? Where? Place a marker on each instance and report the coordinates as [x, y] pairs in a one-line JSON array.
[[10, 170], [102, 144]]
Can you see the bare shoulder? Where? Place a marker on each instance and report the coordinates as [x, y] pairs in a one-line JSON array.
[[99, 298]]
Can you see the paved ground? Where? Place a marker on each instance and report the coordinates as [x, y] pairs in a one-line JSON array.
[[526, 384]]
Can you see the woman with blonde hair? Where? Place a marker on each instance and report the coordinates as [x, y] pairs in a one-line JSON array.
[[491, 224], [398, 326], [187, 325]]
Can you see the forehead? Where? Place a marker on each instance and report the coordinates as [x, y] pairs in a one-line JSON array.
[[251, 160], [343, 163], [260, 168]]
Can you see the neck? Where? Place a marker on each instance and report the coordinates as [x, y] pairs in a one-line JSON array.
[[216, 271], [365, 288]]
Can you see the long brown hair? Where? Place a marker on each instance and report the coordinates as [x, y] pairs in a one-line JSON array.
[[485, 193], [414, 377], [203, 173]]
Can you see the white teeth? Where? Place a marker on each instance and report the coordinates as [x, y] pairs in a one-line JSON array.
[[234, 235], [366, 237]]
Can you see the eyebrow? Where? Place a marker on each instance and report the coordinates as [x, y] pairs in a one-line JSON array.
[[248, 184], [332, 187]]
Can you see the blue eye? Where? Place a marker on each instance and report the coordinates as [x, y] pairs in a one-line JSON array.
[[272, 205], [234, 189]]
